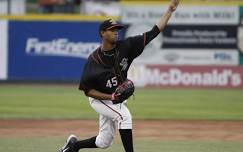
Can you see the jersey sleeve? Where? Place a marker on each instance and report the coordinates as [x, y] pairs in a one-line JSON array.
[[136, 45]]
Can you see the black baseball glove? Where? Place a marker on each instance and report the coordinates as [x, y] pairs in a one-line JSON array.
[[123, 92]]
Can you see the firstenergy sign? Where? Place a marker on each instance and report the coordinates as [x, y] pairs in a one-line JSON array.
[[60, 47], [186, 76]]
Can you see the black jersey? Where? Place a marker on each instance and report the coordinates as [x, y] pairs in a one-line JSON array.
[[105, 70]]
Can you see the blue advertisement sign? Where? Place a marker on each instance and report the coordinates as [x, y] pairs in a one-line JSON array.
[[50, 50]]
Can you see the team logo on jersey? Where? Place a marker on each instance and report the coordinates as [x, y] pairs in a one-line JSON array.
[[124, 64]]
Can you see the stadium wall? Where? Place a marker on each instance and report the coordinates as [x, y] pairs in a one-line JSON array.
[[54, 48]]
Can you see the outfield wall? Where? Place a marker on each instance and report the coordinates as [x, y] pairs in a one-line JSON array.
[[197, 48], [201, 47]]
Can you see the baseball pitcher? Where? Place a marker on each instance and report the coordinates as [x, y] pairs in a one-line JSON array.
[[104, 81]]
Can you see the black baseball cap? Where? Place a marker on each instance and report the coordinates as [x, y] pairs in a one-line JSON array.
[[109, 24]]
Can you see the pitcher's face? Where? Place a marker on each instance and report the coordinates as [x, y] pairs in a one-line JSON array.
[[110, 35]]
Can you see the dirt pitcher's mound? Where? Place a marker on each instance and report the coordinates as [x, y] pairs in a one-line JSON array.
[[165, 130]]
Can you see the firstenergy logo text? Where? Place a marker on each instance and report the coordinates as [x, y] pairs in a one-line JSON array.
[[60, 47]]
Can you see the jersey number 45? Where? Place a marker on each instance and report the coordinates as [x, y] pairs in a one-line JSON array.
[[112, 82]]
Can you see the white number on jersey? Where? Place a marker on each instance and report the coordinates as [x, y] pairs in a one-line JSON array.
[[112, 82]]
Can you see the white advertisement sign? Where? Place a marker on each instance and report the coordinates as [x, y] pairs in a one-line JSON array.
[[186, 76], [196, 35], [3, 49], [190, 57], [199, 15]]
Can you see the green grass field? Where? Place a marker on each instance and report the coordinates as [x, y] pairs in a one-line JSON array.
[[66, 102], [52, 144]]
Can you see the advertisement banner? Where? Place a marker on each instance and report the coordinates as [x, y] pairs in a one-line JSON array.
[[3, 49], [187, 76], [193, 30], [190, 57], [186, 15], [193, 36], [46, 50]]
